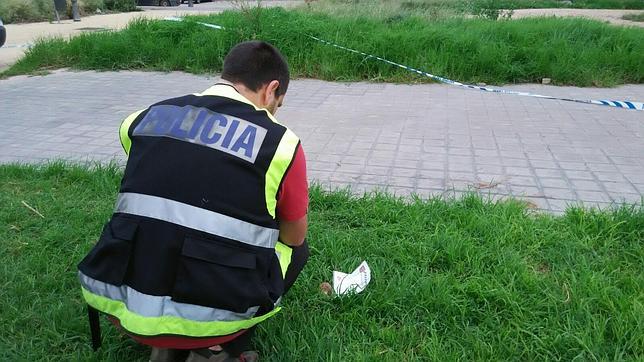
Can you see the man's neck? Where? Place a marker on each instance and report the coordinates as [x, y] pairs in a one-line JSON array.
[[254, 97]]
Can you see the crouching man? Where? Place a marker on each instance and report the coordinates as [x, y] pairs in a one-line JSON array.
[[209, 224]]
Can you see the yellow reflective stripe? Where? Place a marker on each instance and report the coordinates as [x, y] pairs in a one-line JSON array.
[[227, 91], [276, 170], [151, 326], [284, 253], [126, 142]]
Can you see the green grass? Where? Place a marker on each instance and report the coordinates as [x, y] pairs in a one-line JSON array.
[[569, 51], [639, 17], [452, 279]]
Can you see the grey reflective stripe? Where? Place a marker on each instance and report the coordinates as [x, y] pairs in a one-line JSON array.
[[161, 306], [196, 218]]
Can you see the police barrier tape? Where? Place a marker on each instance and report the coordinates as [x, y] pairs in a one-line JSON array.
[[611, 103]]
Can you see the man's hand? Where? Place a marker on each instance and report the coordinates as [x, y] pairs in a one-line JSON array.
[[293, 233]]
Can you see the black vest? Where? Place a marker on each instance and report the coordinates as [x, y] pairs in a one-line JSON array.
[[193, 233]]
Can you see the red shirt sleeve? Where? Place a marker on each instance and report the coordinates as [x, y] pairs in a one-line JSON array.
[[293, 197]]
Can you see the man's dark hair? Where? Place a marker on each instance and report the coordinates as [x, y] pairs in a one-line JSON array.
[[254, 64]]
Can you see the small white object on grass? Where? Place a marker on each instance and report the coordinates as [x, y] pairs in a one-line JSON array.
[[355, 282]]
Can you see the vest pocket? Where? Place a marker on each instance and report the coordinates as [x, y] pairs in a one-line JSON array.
[[214, 274], [109, 259]]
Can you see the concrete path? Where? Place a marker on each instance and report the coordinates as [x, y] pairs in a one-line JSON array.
[[21, 36], [424, 139]]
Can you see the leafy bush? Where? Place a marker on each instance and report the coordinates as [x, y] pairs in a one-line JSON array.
[[12, 11], [121, 5], [90, 6]]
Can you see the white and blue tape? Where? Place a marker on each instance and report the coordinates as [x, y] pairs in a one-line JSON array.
[[604, 102]]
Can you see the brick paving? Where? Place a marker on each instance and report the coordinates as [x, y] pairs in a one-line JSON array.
[[407, 139]]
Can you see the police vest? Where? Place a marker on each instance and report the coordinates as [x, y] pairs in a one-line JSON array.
[[192, 247]]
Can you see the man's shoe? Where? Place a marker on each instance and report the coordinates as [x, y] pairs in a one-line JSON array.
[[167, 355], [206, 355], [249, 356]]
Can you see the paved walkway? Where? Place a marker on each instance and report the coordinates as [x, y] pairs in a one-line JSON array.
[[424, 139]]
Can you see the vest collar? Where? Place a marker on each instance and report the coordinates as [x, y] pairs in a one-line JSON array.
[[226, 89]]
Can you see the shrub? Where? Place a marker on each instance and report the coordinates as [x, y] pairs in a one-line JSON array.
[[90, 6], [12, 11], [121, 5]]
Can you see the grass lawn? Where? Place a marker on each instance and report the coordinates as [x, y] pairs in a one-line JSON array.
[[569, 51], [451, 279]]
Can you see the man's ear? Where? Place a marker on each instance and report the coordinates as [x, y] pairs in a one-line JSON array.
[[271, 91]]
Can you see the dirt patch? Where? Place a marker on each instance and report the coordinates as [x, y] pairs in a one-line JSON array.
[[611, 16]]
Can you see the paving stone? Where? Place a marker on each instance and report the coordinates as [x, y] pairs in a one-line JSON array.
[[377, 161], [428, 183], [318, 175], [545, 164], [560, 194], [459, 151], [491, 178], [620, 198], [486, 152], [579, 166], [519, 190], [488, 160], [636, 178], [554, 182], [517, 162], [489, 169], [639, 187], [432, 165], [627, 161], [586, 185], [407, 163], [620, 187], [518, 171], [438, 174], [593, 196], [609, 176], [461, 167], [351, 168], [522, 180], [354, 160], [581, 175], [463, 176]]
